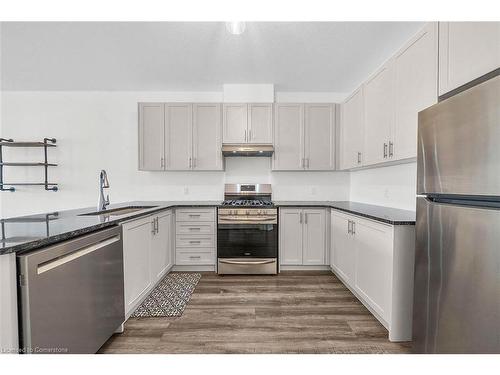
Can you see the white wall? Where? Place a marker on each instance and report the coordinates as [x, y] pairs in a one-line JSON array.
[[393, 186], [98, 130]]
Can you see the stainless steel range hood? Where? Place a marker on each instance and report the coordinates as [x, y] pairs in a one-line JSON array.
[[247, 150]]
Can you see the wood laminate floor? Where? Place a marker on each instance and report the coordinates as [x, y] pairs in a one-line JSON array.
[[294, 312]]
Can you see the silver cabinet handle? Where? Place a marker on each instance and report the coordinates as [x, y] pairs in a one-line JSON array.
[[359, 157], [194, 257], [195, 228], [307, 161], [300, 217], [353, 227], [194, 241], [154, 227], [391, 149], [385, 150], [157, 226], [194, 215], [250, 135], [348, 226], [305, 217], [245, 135], [162, 162], [189, 163]]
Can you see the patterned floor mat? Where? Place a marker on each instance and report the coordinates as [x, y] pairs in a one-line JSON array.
[[170, 296]]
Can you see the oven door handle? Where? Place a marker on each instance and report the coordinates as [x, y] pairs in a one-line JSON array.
[[249, 220], [250, 263]]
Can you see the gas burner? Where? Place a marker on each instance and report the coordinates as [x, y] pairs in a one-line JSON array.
[[247, 203]]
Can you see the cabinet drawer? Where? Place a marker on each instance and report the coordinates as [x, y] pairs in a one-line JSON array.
[[204, 214], [195, 256], [194, 228], [195, 241]]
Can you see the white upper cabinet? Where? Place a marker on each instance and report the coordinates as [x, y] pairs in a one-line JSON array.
[[235, 121], [260, 123], [352, 131], [416, 89], [288, 137], [248, 123], [379, 115], [151, 152], [207, 137], [178, 135], [304, 137], [467, 50], [319, 137]]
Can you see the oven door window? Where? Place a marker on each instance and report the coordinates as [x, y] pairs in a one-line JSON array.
[[247, 240]]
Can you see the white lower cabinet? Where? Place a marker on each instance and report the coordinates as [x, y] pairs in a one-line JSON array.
[[147, 255], [303, 236], [375, 261], [195, 237]]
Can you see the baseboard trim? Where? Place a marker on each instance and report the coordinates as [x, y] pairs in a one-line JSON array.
[[193, 268], [304, 268]]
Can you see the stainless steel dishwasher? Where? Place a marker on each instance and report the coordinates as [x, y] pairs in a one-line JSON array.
[[71, 294]]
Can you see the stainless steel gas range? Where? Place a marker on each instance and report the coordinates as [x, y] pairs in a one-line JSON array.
[[247, 231]]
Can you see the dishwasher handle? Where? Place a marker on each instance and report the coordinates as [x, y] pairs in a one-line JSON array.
[[59, 261]]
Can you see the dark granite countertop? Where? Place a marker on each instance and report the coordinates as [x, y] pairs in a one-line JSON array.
[[393, 216], [26, 233]]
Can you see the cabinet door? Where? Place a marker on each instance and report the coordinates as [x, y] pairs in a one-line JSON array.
[[288, 137], [314, 244], [344, 255], [379, 115], [178, 137], [234, 126], [290, 229], [260, 123], [319, 137], [467, 50], [415, 89], [352, 131], [136, 261], [207, 137], [374, 265], [161, 246], [151, 135]]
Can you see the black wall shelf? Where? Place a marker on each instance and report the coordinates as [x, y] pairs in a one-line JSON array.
[[47, 143]]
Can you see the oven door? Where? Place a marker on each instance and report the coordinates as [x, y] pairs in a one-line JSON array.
[[247, 240]]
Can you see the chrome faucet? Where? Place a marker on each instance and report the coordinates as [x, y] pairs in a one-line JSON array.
[[103, 184]]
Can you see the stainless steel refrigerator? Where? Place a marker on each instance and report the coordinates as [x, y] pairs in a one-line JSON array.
[[457, 258]]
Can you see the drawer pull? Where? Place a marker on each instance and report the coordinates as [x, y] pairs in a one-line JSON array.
[[249, 263], [194, 215], [194, 257], [194, 228], [194, 241]]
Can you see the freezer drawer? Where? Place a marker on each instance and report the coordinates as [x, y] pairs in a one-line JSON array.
[[457, 279], [458, 143], [71, 294]]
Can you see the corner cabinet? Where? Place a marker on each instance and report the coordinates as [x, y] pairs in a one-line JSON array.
[[467, 50], [180, 136], [352, 127], [147, 256], [375, 261], [250, 123], [304, 137], [303, 236]]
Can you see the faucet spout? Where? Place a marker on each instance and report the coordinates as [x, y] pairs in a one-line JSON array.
[[103, 184]]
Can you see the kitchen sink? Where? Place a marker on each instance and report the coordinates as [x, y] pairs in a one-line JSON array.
[[118, 211]]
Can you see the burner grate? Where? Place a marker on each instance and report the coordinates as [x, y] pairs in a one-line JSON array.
[[247, 202]]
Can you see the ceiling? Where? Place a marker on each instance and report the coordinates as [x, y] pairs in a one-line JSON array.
[[295, 56]]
